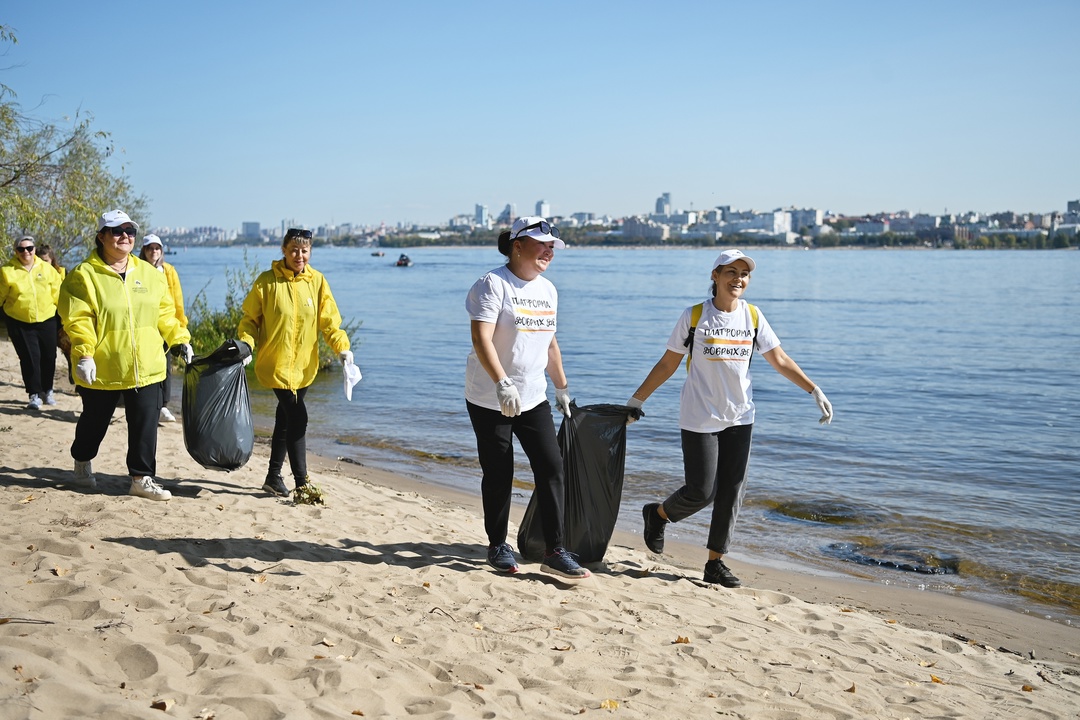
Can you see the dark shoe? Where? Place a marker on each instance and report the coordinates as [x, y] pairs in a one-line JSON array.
[[717, 572], [275, 485], [563, 564], [654, 528], [501, 557], [301, 482]]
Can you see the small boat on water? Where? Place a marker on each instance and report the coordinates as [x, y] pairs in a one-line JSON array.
[[404, 261], [378, 253]]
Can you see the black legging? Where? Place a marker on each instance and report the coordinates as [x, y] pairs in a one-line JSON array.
[[35, 344], [290, 431]]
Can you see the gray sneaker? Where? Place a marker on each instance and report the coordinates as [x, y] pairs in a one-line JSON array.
[[146, 487], [83, 476], [34, 404], [50, 399], [562, 563]]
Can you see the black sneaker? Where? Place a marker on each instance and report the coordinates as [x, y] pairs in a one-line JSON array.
[[275, 485], [654, 528], [717, 572], [301, 482], [563, 564], [501, 557]]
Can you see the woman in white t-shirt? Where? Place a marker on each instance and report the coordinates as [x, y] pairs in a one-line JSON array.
[[513, 318], [716, 407]]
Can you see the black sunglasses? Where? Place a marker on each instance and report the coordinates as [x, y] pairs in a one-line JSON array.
[[545, 227], [295, 232], [118, 231], [25, 248]]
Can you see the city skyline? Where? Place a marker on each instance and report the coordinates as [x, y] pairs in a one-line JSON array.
[[414, 113]]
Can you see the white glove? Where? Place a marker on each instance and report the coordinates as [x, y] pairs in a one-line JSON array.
[[824, 405], [186, 352], [346, 357], [246, 361], [509, 399], [636, 404], [562, 400], [86, 370]]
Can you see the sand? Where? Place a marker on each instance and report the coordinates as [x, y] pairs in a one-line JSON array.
[[224, 602]]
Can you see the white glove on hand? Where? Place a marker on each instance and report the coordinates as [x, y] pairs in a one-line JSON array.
[[824, 405], [633, 402], [345, 356], [186, 352], [562, 400], [86, 370], [509, 399]]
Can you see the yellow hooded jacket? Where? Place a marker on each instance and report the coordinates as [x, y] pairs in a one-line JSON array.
[[176, 291], [29, 296], [120, 321], [283, 314]]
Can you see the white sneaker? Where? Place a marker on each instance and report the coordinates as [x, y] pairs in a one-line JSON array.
[[50, 399], [166, 416], [83, 476], [147, 488], [34, 404]]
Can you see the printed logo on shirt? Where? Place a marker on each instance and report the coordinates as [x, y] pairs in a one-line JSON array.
[[138, 287], [727, 344], [533, 315]]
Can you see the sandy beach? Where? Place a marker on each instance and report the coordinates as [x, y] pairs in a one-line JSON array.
[[227, 603]]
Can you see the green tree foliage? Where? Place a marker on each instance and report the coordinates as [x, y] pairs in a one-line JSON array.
[[55, 179]]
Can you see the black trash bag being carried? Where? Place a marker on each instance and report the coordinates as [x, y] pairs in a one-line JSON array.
[[218, 429], [593, 444]]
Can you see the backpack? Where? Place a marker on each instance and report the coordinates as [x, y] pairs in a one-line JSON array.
[[695, 317]]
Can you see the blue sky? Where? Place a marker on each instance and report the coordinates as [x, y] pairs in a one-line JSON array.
[[391, 112]]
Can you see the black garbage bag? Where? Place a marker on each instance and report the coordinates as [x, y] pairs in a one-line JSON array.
[[593, 444], [218, 429]]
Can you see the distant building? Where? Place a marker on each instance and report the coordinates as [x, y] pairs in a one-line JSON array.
[[250, 230], [543, 208], [482, 218], [1073, 206], [663, 204], [508, 215], [637, 227], [808, 218]]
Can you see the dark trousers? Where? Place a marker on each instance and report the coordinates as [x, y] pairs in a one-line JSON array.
[[290, 433], [141, 408], [166, 384], [715, 467], [535, 430], [35, 344]]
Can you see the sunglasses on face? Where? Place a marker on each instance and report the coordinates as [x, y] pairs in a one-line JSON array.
[[293, 232], [25, 248], [545, 227], [120, 231]]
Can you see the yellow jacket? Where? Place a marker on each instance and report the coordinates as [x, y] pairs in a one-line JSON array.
[[120, 322], [29, 296], [176, 292], [283, 314]]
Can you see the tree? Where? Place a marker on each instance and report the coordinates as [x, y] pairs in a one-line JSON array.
[[54, 179]]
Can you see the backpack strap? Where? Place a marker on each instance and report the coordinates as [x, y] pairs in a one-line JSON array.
[[695, 318]]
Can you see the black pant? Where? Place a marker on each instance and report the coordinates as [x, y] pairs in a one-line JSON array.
[[141, 408], [35, 344], [535, 430], [290, 432], [166, 384]]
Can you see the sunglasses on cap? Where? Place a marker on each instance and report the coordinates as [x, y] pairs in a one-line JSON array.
[[25, 248], [294, 232], [545, 227], [120, 231]]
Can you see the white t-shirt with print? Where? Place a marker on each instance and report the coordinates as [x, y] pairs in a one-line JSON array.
[[523, 312], [717, 393]]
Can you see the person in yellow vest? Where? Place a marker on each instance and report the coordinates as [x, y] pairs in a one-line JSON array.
[[29, 289], [117, 311], [153, 252], [716, 407], [286, 309]]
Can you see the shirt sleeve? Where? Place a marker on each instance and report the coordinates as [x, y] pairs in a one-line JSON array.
[[677, 342], [766, 339], [485, 300]]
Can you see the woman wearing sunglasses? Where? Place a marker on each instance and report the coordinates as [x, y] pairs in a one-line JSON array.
[[286, 309], [29, 289], [512, 312], [118, 312]]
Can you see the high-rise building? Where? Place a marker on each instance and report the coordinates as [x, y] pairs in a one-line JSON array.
[[482, 217], [543, 209], [250, 230], [663, 204]]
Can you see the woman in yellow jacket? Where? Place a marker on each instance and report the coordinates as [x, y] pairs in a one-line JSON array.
[[117, 311], [29, 289], [286, 309], [153, 252]]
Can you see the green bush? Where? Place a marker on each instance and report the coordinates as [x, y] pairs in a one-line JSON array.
[[210, 327]]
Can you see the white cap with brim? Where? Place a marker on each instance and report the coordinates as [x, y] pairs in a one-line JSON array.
[[729, 256], [152, 239], [114, 218], [533, 226]]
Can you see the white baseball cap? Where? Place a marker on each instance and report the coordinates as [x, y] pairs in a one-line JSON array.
[[729, 256], [537, 227], [114, 218], [152, 239]]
